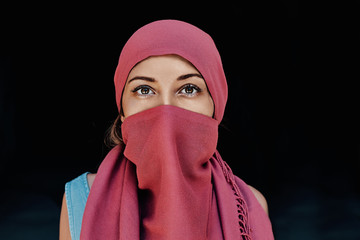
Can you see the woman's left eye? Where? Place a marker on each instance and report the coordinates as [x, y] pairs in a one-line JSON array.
[[143, 91], [190, 89]]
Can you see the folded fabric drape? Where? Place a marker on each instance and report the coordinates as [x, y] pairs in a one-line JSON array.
[[167, 181]]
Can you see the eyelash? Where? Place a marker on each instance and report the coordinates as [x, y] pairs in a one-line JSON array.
[[141, 87], [194, 87]]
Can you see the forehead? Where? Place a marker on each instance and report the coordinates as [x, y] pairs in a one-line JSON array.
[[164, 64]]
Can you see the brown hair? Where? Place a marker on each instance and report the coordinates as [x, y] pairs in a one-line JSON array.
[[113, 134]]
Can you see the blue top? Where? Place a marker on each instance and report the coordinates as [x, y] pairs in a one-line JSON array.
[[76, 194]]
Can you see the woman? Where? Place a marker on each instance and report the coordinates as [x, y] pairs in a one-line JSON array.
[[164, 178]]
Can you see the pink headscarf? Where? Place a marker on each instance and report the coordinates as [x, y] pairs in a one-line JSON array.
[[190, 191], [180, 38]]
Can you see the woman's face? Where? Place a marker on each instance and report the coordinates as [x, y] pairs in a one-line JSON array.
[[165, 80]]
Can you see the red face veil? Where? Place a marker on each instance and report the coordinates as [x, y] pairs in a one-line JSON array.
[[168, 181]]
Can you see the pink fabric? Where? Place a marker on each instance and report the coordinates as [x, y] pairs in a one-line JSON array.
[[260, 225], [168, 181], [171, 148]]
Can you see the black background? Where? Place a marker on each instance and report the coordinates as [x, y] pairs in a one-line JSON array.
[[290, 127]]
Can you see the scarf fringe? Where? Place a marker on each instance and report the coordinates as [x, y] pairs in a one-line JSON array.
[[240, 202]]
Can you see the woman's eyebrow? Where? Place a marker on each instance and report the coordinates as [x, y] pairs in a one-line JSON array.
[[182, 77], [186, 76], [149, 79]]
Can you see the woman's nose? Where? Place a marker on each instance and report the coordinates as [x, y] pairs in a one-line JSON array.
[[168, 99]]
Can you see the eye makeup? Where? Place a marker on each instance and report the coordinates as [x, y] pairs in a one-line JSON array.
[[143, 90], [190, 90]]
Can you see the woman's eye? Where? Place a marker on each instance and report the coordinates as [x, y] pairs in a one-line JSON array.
[[190, 89], [143, 90]]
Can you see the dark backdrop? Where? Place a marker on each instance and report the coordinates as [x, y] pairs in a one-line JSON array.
[[290, 127]]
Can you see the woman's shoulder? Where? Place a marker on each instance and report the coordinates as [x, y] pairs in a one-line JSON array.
[[84, 181], [73, 206], [260, 198], [90, 179], [252, 194]]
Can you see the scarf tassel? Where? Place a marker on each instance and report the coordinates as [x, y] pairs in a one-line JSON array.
[[243, 217]]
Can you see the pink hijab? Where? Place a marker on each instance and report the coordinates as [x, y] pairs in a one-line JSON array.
[[180, 38], [171, 184]]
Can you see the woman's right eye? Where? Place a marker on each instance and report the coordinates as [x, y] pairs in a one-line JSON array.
[[143, 90]]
